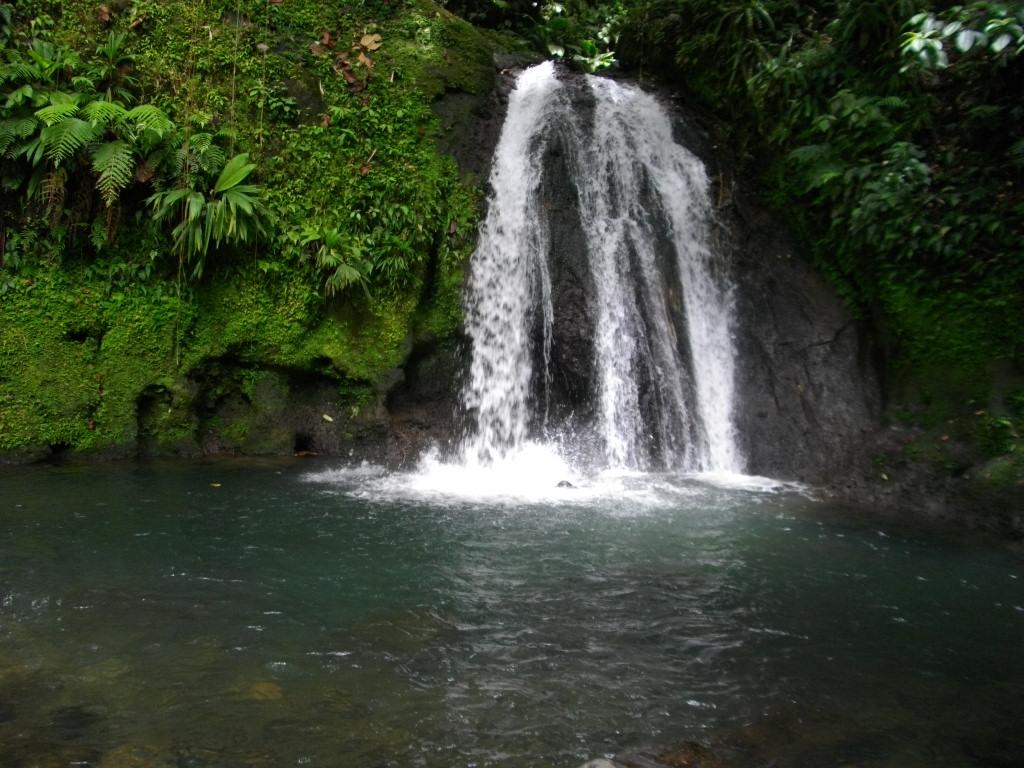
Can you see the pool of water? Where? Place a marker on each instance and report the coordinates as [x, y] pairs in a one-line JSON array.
[[277, 614]]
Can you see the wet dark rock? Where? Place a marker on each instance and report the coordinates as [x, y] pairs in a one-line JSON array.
[[565, 484], [807, 389], [72, 722], [571, 386], [251, 409], [470, 127], [421, 407], [7, 712], [1001, 749]]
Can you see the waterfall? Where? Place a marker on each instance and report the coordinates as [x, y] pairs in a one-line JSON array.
[[509, 276], [662, 312]]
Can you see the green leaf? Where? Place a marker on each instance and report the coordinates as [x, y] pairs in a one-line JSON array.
[[149, 118], [62, 140], [234, 173], [103, 113], [115, 164], [1001, 42], [14, 130], [56, 113]]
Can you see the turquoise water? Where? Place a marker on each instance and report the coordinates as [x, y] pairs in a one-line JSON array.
[[276, 614]]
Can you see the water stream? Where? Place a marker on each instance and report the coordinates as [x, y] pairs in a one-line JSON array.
[[661, 340]]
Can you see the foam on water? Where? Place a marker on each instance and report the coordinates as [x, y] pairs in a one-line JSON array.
[[662, 347], [531, 477]]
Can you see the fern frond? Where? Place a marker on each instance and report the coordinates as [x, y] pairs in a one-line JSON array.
[[57, 113], [200, 142], [103, 113], [15, 129], [114, 162], [212, 160], [810, 153], [892, 102], [146, 117], [20, 72], [62, 140], [98, 234]]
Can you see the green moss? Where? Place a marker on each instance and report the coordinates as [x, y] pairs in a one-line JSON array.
[[101, 349], [1004, 472]]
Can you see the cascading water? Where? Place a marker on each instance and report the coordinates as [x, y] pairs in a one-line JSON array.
[[662, 349], [509, 279]]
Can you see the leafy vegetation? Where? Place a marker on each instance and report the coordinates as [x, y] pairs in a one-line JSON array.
[[219, 180], [897, 132]]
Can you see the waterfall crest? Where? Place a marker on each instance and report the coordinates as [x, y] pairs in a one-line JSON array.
[[662, 317]]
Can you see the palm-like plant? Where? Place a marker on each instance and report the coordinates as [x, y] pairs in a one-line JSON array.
[[229, 212], [339, 256], [112, 71]]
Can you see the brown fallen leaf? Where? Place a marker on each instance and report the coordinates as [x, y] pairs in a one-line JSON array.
[[316, 49], [104, 14], [325, 121], [370, 42], [365, 60]]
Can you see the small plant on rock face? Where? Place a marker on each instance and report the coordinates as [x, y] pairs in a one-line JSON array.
[[339, 257], [227, 212]]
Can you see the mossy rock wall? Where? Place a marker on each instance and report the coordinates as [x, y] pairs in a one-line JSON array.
[[115, 351]]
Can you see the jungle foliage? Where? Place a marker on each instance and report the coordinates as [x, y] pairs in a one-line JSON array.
[[187, 181], [889, 133], [898, 133]]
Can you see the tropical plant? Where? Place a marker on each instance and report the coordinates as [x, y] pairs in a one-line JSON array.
[[227, 212], [112, 71], [339, 257], [995, 28]]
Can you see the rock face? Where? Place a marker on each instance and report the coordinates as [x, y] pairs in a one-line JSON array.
[[571, 387], [807, 391], [807, 388], [805, 383]]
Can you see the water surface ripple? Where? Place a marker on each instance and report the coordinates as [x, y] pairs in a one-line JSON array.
[[281, 614]]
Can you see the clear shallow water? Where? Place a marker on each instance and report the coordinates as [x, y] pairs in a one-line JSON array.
[[292, 614]]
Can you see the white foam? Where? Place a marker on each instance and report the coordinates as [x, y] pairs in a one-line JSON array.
[[535, 475]]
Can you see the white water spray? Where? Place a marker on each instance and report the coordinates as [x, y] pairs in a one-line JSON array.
[[509, 274], [662, 342]]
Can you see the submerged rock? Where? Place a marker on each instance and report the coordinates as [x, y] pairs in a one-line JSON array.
[[688, 754]]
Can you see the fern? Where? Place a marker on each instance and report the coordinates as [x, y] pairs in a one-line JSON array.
[[57, 113], [98, 234], [14, 130], [103, 113], [64, 139], [146, 117], [200, 154], [114, 162], [20, 72], [892, 102]]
